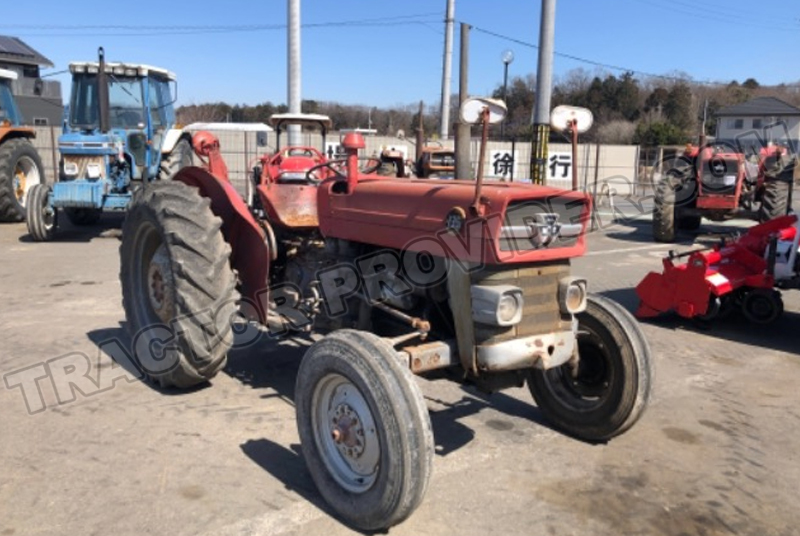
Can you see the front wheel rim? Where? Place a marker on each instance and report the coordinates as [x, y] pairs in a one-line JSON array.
[[593, 384], [345, 433], [26, 176]]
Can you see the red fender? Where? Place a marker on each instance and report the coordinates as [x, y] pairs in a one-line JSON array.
[[250, 253]]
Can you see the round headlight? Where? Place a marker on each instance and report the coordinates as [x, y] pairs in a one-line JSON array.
[[508, 308], [572, 295], [575, 296]]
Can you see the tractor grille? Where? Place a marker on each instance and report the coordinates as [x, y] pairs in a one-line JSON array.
[[541, 312], [83, 162], [720, 175], [522, 213]]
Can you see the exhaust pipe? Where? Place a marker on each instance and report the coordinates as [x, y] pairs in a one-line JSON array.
[[102, 91]]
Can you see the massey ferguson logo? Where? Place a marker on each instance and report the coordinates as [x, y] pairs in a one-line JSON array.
[[544, 228]]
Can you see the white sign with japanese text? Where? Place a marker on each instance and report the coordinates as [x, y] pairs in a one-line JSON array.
[[559, 166], [503, 164]]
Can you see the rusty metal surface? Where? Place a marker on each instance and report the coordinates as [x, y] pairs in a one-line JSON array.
[[431, 356], [290, 205], [543, 351], [460, 297], [541, 312], [398, 213]]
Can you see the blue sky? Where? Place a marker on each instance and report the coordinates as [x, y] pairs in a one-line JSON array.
[[396, 58]]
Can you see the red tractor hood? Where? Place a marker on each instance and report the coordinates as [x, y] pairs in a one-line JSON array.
[[414, 214]]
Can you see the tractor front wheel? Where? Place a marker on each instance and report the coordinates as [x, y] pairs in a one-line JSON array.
[[664, 210], [20, 170], [775, 200], [364, 428], [42, 219], [177, 286], [606, 392]]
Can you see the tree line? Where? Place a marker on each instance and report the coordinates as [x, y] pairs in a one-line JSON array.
[[627, 109]]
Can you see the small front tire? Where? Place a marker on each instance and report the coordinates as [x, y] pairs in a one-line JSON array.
[[364, 428], [42, 219], [612, 384]]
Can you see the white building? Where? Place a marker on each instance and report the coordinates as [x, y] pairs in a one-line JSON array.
[[754, 123]]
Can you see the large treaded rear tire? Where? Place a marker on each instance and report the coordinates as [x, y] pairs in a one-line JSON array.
[[375, 473], [13, 153], [775, 201], [178, 290], [614, 378], [179, 158]]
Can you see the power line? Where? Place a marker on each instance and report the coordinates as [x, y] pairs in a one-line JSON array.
[[608, 65], [413, 18], [711, 15]]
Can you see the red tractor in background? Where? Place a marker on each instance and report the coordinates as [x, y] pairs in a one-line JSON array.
[[718, 183], [402, 276]]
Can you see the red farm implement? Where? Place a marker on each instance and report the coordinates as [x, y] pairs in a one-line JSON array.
[[745, 273]]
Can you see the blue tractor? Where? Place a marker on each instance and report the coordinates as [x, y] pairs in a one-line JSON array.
[[119, 134]]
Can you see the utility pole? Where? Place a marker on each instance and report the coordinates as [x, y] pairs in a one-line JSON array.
[[420, 134], [544, 91], [295, 99], [463, 131], [444, 126]]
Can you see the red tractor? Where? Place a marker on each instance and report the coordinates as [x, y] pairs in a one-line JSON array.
[[402, 276], [718, 183]]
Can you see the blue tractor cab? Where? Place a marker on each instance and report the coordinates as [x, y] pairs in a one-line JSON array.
[[119, 133]]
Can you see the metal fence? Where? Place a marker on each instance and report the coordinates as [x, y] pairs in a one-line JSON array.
[[602, 169]]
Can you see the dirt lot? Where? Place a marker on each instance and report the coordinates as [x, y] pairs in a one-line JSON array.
[[716, 452]]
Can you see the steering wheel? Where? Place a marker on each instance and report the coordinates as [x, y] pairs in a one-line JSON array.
[[336, 167], [315, 178]]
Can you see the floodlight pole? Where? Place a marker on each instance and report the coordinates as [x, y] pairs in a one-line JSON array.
[[544, 89], [463, 130]]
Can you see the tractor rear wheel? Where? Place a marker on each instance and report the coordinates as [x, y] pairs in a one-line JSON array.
[[42, 219], [177, 286], [664, 210], [775, 200], [83, 216], [611, 386], [179, 158], [20, 170], [364, 428]]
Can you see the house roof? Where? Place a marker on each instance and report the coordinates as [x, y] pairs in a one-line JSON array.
[[761, 106], [14, 50]]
